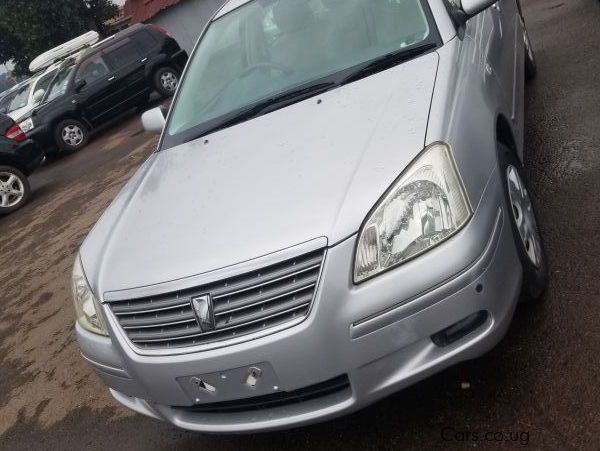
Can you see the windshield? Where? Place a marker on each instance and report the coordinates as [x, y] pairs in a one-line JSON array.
[[58, 85], [44, 81], [268, 47], [21, 98]]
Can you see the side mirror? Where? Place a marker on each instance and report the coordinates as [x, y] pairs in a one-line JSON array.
[[79, 84], [474, 7], [154, 120], [38, 96]]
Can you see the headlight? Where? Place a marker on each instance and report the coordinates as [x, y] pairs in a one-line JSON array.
[[86, 305], [26, 125], [424, 207]]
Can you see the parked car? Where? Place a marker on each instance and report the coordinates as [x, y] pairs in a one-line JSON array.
[[336, 210], [19, 157], [112, 76], [29, 94]]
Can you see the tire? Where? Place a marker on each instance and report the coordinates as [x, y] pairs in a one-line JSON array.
[[166, 80], [71, 136], [524, 225], [11, 180], [530, 63]]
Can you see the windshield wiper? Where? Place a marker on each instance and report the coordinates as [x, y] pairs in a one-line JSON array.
[[387, 61], [268, 105]]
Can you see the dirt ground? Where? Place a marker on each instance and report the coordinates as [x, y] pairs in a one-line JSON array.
[[539, 388]]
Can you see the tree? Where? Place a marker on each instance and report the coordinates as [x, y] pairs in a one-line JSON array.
[[98, 11], [29, 28]]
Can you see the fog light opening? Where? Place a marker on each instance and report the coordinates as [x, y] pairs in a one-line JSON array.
[[459, 329]]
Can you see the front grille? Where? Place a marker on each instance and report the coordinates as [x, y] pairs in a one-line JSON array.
[[242, 305], [273, 400]]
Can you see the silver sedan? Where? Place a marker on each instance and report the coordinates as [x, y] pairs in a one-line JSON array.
[[337, 208]]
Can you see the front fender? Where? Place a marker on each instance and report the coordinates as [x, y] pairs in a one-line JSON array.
[[154, 63], [466, 103]]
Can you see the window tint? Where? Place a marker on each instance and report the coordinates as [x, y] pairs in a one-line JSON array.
[[145, 41], [5, 102], [122, 53], [92, 70], [59, 84], [44, 82], [21, 98]]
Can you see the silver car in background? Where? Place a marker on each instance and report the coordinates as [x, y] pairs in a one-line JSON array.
[[336, 210]]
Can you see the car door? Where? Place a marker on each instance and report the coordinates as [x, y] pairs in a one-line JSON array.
[[503, 55], [94, 82], [127, 60]]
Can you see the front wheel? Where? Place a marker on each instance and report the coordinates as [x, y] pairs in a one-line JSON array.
[[523, 219], [71, 135], [165, 81], [14, 189]]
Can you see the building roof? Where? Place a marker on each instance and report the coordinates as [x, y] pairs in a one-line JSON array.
[[143, 10]]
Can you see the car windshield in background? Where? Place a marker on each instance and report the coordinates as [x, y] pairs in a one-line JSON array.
[[21, 98], [45, 81], [266, 49], [58, 85]]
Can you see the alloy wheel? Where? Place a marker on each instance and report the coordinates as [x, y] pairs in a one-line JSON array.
[[169, 81], [524, 216], [72, 135], [12, 190]]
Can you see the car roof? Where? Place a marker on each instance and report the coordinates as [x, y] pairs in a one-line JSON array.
[[105, 43]]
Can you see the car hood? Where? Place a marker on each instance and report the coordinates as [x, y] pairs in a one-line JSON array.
[[313, 169]]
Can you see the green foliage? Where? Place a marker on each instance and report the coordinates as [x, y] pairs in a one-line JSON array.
[[30, 27]]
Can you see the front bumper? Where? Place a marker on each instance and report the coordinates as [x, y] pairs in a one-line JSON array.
[[378, 333]]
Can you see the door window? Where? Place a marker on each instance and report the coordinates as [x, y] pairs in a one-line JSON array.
[[92, 70], [145, 41], [122, 54]]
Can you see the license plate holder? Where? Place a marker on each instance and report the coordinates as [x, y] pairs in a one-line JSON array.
[[238, 383]]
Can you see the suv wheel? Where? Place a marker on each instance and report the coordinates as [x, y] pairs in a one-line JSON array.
[[166, 80], [14, 189], [71, 135], [523, 219]]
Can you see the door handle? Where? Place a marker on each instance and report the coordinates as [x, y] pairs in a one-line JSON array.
[[112, 78], [144, 60]]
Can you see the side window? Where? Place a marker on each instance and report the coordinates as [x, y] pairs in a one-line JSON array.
[[44, 82], [122, 53], [145, 41], [92, 70], [5, 102]]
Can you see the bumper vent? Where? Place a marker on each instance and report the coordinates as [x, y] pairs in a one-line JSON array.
[[327, 388], [238, 306]]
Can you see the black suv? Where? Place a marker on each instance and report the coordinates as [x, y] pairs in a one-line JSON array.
[[107, 79]]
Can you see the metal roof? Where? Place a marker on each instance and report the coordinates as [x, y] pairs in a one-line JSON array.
[[143, 10]]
